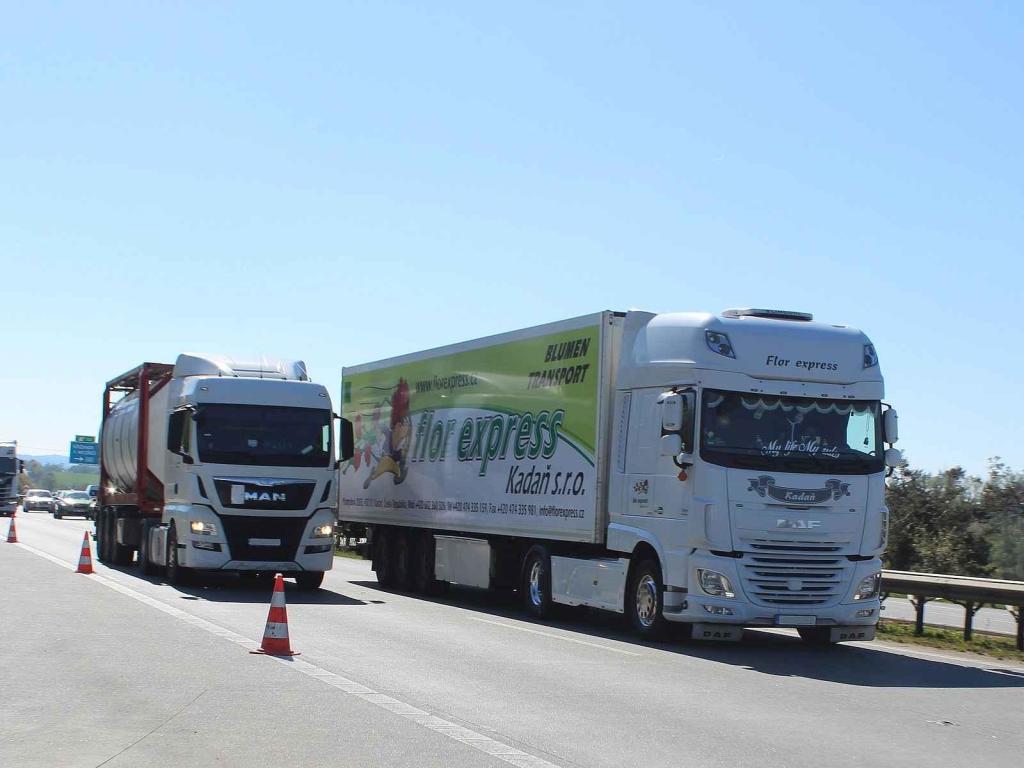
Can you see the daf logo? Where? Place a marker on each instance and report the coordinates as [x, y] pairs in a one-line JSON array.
[[264, 496], [806, 525]]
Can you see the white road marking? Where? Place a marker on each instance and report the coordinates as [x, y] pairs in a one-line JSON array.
[[478, 741], [556, 637]]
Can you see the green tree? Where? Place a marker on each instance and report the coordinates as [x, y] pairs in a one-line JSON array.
[[1003, 502]]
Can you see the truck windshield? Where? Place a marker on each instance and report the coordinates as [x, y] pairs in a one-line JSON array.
[[790, 434], [266, 436], [8, 465]]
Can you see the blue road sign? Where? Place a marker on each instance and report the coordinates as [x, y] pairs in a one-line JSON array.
[[84, 453]]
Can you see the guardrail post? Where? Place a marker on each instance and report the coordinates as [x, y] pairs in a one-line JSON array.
[[919, 602], [1018, 614], [970, 608]]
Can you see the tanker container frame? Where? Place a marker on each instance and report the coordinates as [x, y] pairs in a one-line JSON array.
[[713, 471]]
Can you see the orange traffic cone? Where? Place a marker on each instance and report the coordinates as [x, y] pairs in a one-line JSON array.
[[275, 636], [12, 533], [85, 558]]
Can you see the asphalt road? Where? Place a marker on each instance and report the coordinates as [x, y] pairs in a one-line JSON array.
[[116, 670]]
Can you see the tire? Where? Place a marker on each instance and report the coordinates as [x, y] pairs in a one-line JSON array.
[[423, 580], [820, 636], [120, 554], [310, 581], [56, 515], [644, 600], [403, 560], [383, 560], [536, 582], [143, 564], [103, 536], [177, 574]]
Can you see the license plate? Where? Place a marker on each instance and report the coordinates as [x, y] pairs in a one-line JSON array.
[[796, 621], [264, 542]]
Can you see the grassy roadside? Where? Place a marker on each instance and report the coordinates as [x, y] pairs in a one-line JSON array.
[[349, 552], [996, 646]]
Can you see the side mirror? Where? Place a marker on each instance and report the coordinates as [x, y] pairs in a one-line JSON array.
[[890, 426], [346, 440], [671, 445], [185, 457], [893, 457], [671, 412]]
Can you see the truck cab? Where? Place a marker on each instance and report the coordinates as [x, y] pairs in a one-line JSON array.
[[749, 462]]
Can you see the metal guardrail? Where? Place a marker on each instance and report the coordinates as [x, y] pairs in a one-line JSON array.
[[970, 592]]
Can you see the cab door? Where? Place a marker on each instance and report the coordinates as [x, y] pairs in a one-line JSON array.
[[654, 486]]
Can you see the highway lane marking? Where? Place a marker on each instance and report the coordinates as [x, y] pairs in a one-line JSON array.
[[478, 741], [556, 637]]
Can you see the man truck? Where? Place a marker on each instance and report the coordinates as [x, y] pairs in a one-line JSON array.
[[213, 464], [10, 468], [716, 471]]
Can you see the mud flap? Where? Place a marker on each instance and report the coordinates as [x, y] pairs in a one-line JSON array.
[[849, 634], [721, 632]]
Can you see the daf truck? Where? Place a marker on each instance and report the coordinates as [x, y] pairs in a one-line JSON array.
[[10, 468], [214, 464], [718, 471]]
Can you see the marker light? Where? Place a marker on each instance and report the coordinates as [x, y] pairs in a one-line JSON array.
[[870, 356], [203, 528], [719, 343], [323, 531]]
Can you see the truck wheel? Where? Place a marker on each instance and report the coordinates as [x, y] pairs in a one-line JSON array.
[[403, 560], [177, 574], [310, 581], [816, 635], [644, 600], [383, 560], [536, 583]]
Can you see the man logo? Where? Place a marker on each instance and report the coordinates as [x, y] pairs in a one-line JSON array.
[[264, 496], [804, 525]]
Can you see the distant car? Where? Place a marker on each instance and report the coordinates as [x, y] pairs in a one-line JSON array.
[[38, 499], [92, 490], [74, 504]]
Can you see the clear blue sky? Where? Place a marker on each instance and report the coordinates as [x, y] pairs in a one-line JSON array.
[[349, 181]]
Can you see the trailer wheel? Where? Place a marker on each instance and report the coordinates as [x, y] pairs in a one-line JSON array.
[[644, 600], [120, 554], [423, 580], [103, 535], [402, 559], [536, 584], [383, 560], [177, 574], [144, 564], [310, 581]]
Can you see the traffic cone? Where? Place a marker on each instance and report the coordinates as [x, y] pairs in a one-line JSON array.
[[275, 636], [12, 533], [85, 558]]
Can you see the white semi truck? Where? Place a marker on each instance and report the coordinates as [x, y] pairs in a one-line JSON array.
[[214, 464], [10, 468], [718, 471]]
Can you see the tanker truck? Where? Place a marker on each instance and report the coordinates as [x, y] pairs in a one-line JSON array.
[[716, 471], [214, 464]]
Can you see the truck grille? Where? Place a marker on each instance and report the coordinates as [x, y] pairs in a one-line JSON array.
[[238, 530], [787, 577]]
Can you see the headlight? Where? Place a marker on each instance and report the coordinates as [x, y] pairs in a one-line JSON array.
[[203, 528], [323, 531], [719, 343], [869, 587], [715, 583]]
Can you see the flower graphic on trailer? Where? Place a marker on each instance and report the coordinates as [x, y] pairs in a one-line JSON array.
[[383, 447]]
